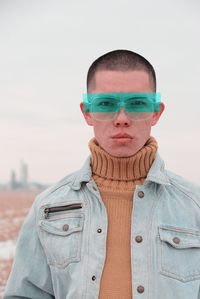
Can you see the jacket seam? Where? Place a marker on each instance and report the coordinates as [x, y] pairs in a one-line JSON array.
[[149, 266], [88, 247], [183, 191]]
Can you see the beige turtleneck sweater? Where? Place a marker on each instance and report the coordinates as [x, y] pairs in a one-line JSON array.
[[116, 179]]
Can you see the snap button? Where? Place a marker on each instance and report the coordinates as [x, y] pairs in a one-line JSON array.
[[93, 277], [138, 239], [176, 240], [140, 289], [99, 230], [65, 227], [140, 194]]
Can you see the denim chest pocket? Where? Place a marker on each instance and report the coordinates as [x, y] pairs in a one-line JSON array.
[[62, 238], [179, 253]]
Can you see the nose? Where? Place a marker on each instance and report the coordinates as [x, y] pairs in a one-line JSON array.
[[122, 119]]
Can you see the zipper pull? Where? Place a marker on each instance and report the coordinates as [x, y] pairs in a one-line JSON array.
[[46, 213]]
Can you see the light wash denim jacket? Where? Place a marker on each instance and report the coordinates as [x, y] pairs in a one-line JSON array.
[[61, 249]]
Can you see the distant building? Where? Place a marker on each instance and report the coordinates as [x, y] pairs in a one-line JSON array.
[[13, 180], [22, 183], [23, 174]]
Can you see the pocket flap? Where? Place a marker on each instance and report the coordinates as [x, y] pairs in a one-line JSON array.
[[179, 237], [63, 227]]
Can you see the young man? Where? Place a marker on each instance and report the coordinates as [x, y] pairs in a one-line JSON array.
[[122, 226]]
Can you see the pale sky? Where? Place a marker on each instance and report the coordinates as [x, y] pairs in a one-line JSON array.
[[46, 49]]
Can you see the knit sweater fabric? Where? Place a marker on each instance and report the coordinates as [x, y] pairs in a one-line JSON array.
[[116, 178]]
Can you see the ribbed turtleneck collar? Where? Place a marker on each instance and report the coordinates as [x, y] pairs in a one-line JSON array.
[[122, 168]]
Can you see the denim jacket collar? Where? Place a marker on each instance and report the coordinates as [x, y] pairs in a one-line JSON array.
[[156, 174]]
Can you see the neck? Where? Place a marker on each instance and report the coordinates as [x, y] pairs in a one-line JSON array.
[[107, 167]]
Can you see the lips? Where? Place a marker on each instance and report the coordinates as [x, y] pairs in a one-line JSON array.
[[120, 135]]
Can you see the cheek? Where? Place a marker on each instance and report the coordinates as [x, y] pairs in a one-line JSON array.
[[100, 129], [141, 125]]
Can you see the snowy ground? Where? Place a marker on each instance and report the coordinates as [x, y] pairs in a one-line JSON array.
[[7, 250], [14, 206]]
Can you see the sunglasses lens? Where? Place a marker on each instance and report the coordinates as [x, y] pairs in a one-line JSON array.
[[104, 105]]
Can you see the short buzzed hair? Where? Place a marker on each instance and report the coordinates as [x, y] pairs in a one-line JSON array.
[[121, 60]]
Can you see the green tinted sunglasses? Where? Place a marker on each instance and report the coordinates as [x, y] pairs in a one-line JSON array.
[[104, 106]]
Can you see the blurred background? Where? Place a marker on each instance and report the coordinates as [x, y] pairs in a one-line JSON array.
[[46, 49]]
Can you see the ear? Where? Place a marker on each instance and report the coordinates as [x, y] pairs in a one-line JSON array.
[[157, 115], [86, 115]]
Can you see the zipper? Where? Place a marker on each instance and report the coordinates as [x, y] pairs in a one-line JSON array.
[[73, 206]]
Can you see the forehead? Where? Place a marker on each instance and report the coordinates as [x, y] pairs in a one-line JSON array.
[[121, 81]]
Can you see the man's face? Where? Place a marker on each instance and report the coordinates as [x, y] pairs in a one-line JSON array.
[[106, 81]]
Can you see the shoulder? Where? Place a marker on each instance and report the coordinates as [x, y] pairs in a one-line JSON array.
[[66, 187], [184, 185], [57, 190]]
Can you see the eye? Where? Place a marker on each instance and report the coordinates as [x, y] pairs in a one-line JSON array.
[[137, 103], [105, 103]]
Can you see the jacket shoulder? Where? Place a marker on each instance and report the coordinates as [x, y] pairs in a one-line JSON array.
[[183, 184], [57, 190]]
